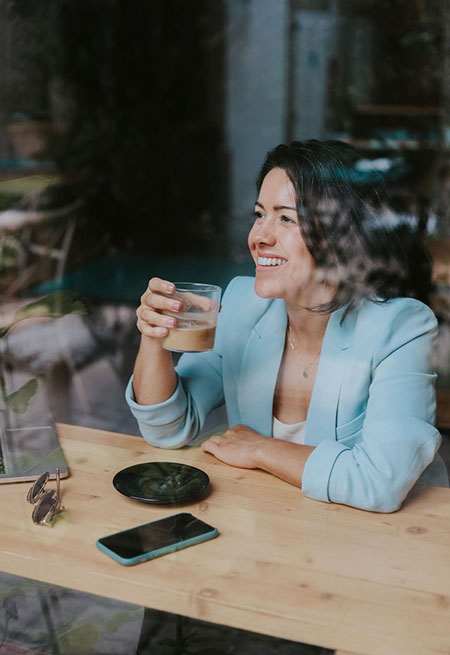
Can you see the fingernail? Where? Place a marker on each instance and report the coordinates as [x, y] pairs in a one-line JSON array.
[[170, 321], [176, 305], [170, 287]]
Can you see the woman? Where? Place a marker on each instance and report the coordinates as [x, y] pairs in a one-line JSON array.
[[321, 360]]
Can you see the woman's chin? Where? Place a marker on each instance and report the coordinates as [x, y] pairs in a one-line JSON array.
[[264, 289]]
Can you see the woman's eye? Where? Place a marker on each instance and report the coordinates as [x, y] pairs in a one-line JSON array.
[[287, 219], [257, 214]]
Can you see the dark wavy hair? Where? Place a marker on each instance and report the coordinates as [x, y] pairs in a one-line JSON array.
[[344, 224]]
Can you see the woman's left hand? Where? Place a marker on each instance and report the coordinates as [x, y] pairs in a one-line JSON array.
[[239, 446]]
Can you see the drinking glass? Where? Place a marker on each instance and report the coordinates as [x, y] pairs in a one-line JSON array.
[[197, 319]]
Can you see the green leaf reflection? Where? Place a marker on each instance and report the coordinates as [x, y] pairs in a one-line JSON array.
[[55, 305], [19, 400]]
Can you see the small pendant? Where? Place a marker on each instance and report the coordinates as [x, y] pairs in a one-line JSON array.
[[305, 374]]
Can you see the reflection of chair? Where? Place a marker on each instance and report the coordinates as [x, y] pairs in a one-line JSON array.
[[61, 349], [42, 224], [45, 237], [58, 244]]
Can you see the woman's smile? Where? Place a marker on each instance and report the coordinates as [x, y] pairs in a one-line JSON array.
[[284, 265], [268, 261]]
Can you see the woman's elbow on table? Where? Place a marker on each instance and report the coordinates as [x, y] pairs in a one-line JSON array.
[[380, 486], [373, 479], [170, 436]]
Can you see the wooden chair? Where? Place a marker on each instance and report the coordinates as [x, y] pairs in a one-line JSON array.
[[44, 237]]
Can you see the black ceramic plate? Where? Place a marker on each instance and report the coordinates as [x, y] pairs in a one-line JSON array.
[[161, 482]]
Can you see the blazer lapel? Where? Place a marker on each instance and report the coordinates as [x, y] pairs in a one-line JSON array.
[[322, 412], [259, 368], [261, 362]]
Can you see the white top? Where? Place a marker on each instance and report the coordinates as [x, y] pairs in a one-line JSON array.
[[294, 432]]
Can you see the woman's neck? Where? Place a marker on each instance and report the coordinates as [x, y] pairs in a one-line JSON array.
[[307, 328]]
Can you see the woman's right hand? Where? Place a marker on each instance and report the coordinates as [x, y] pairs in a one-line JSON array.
[[154, 378], [151, 322]]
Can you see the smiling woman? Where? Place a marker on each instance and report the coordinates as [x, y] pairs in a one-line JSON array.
[[284, 266], [323, 358]]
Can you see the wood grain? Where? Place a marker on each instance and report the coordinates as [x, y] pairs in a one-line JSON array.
[[283, 564]]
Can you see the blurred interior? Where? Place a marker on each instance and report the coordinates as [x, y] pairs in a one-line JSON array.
[[131, 135]]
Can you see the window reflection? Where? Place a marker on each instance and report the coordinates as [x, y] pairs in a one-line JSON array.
[[130, 135]]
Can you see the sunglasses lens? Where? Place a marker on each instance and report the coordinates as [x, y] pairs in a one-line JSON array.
[[37, 488], [45, 508]]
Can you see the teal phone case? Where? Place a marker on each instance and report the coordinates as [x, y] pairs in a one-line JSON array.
[[153, 554]]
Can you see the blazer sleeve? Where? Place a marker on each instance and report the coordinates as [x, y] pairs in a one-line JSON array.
[[399, 439], [177, 421]]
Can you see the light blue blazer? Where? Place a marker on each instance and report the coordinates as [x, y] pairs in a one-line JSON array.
[[372, 410]]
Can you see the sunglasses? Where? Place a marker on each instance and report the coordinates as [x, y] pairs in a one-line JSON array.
[[47, 503]]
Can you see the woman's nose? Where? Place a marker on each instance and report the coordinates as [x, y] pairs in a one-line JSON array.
[[264, 233]]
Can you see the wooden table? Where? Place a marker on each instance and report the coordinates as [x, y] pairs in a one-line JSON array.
[[283, 564]]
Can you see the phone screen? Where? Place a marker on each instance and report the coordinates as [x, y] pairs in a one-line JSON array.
[[157, 534]]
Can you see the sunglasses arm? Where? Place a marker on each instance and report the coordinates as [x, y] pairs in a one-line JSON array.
[[58, 493]]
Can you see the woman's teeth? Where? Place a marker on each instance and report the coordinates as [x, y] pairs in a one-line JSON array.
[[270, 261]]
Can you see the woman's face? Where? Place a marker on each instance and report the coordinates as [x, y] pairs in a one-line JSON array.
[[284, 265]]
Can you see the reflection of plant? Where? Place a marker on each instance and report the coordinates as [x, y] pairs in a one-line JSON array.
[[47, 627], [55, 305], [9, 609], [11, 602], [10, 248]]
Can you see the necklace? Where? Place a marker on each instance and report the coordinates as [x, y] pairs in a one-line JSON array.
[[300, 355]]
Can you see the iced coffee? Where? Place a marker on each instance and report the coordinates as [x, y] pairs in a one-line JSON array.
[[196, 321]]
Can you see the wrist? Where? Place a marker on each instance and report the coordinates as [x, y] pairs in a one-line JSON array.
[[263, 454], [153, 347], [152, 342], [283, 459], [154, 379]]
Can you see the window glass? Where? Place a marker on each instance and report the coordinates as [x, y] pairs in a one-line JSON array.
[[131, 136]]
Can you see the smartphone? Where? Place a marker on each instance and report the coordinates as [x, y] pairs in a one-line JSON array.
[[156, 538]]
